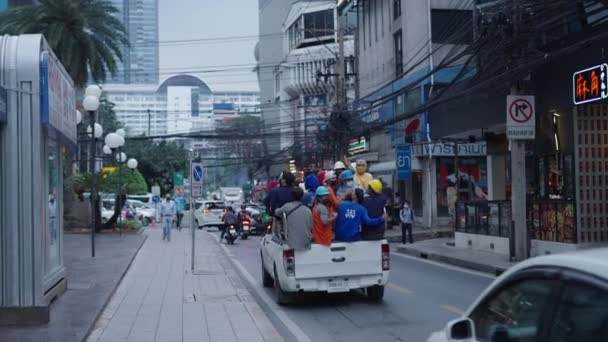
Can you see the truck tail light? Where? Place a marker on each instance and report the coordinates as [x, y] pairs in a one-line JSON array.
[[386, 257], [205, 211], [289, 262]]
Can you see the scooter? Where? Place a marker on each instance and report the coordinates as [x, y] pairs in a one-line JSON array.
[[245, 229], [230, 234]]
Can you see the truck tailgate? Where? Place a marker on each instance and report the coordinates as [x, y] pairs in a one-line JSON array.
[[340, 259]]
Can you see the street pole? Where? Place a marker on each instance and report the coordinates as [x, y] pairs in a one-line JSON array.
[[120, 190], [93, 191], [518, 172], [192, 210], [149, 122], [340, 82]]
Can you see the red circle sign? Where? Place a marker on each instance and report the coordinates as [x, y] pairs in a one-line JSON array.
[[521, 111]]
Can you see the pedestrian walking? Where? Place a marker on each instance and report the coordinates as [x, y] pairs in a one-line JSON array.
[[407, 220], [167, 211]]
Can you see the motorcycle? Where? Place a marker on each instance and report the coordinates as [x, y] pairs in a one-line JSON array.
[[231, 234], [245, 229]]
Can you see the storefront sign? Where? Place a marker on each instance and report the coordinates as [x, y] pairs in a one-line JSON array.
[[3, 105], [357, 145], [590, 84], [404, 162], [447, 149], [57, 96], [521, 117]]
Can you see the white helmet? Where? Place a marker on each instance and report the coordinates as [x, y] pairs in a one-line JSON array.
[[330, 175], [339, 165]]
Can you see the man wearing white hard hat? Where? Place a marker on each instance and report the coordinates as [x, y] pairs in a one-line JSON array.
[[339, 167]]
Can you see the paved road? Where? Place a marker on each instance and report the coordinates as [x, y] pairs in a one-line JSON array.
[[421, 297]]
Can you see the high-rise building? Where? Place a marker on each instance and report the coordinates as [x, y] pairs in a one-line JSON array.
[[140, 58], [181, 104]]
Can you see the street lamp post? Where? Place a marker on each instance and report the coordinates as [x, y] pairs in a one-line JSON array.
[[91, 104], [121, 158]]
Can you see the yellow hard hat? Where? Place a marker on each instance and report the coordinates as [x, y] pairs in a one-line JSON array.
[[376, 185]]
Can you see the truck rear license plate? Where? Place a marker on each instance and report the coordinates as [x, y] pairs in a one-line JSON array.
[[232, 231], [337, 286]]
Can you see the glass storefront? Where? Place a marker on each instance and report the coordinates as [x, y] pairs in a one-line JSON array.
[[472, 183], [53, 216]]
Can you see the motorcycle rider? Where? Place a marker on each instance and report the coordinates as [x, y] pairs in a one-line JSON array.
[[228, 219], [243, 215]]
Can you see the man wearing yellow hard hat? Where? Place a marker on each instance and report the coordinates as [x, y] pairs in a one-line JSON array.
[[374, 203]]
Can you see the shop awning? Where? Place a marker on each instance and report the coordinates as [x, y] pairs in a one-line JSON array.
[[383, 168]]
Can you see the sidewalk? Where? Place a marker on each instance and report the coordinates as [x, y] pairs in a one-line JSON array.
[[439, 250], [91, 282], [419, 233], [160, 299]]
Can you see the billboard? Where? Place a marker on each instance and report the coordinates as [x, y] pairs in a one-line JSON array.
[[57, 96]]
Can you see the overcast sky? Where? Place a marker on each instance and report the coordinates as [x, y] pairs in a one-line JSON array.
[[210, 19]]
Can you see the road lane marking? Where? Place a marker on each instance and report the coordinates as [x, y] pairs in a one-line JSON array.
[[400, 289], [451, 267], [453, 309], [293, 328]]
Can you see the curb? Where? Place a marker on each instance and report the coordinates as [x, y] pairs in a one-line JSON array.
[[105, 304], [472, 265]]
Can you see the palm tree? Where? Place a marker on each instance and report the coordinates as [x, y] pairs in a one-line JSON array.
[[84, 34]]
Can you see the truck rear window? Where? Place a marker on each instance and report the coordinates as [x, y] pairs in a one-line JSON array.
[[216, 205]]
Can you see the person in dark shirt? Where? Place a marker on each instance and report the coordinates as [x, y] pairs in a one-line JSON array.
[[282, 194], [375, 204]]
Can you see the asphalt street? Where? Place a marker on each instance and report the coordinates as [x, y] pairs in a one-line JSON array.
[[420, 298]]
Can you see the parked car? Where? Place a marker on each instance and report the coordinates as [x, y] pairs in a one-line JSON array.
[[209, 213], [145, 212], [562, 297]]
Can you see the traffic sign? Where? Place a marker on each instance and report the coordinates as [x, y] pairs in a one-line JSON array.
[[197, 174], [521, 117], [179, 190], [178, 179], [156, 199], [404, 162]]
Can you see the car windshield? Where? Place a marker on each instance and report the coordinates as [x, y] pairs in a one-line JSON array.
[[198, 205]]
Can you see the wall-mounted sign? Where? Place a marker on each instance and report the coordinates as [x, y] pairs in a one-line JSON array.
[[590, 84], [404, 162], [57, 96], [357, 146], [447, 149]]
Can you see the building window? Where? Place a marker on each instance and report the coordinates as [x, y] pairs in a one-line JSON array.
[[382, 16], [398, 53], [369, 24], [396, 9], [364, 38], [443, 23], [376, 17]]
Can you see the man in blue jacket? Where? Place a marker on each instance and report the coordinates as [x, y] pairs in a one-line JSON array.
[[350, 216]]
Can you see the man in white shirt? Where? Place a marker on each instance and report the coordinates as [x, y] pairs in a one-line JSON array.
[[167, 212]]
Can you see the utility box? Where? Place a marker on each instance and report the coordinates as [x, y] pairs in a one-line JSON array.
[[37, 136]]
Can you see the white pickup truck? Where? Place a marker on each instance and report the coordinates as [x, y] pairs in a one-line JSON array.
[[341, 267]]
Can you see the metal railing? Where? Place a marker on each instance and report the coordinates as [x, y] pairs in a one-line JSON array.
[[486, 218], [547, 220]]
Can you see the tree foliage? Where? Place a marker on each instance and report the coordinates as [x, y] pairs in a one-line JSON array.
[[85, 35], [158, 161]]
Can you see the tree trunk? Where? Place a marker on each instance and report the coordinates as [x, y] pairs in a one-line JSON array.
[[119, 203]]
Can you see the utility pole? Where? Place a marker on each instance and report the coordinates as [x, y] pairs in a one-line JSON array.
[[149, 122], [341, 101], [518, 167]]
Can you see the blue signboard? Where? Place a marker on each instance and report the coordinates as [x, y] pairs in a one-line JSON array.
[[404, 162], [3, 105]]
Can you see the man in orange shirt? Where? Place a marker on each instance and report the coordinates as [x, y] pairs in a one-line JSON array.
[[329, 183], [323, 216]]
